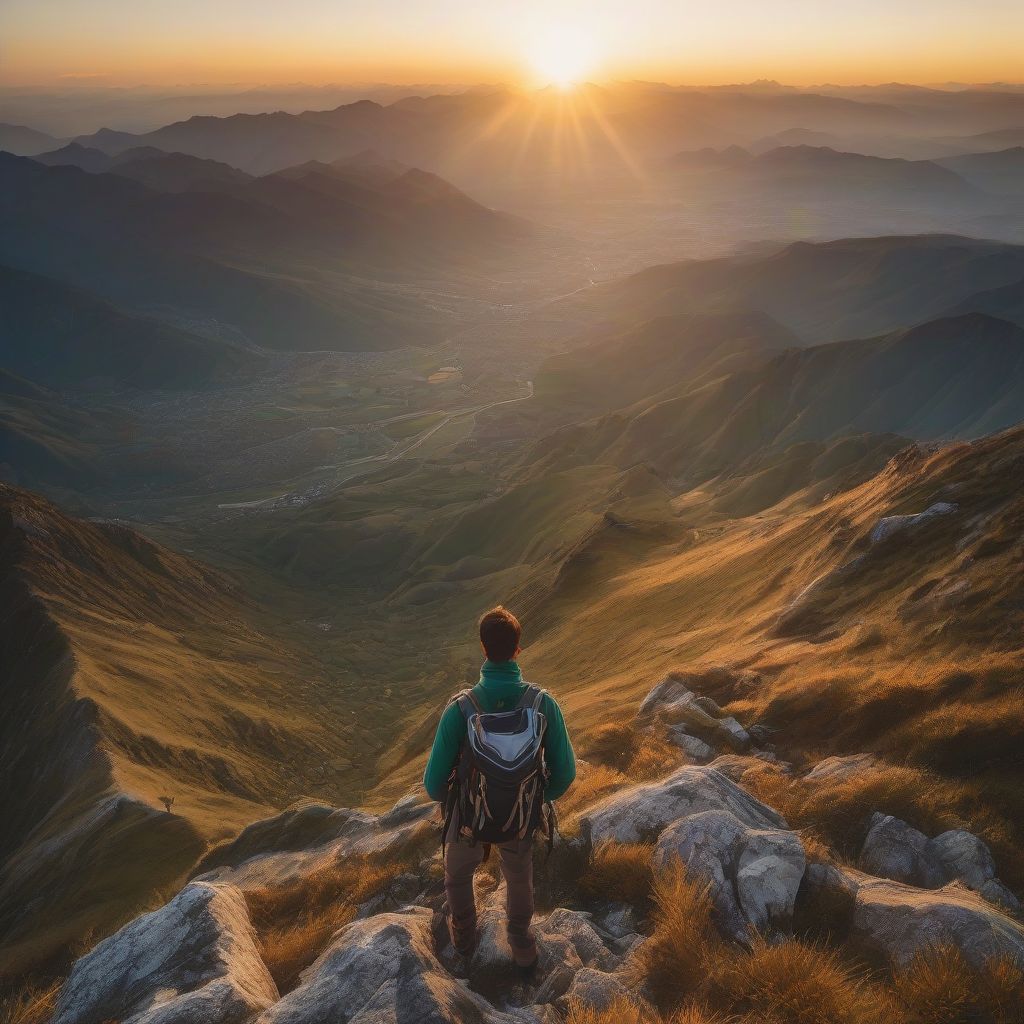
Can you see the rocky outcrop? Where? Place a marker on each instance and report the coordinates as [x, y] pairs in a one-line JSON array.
[[754, 873], [383, 970], [641, 813], [891, 525], [194, 959], [255, 860], [672, 702], [598, 989], [898, 921], [895, 850], [694, 748], [839, 769]]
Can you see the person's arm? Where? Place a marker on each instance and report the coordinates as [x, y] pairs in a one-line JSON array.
[[450, 731], [558, 752]]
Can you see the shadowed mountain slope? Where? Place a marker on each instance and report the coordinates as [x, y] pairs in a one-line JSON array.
[[809, 170], [287, 262], [958, 377], [821, 291], [59, 335], [1001, 172], [130, 673]]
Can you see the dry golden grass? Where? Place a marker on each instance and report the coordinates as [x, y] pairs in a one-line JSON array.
[[29, 1005], [621, 1011], [940, 987], [697, 1014], [295, 922], [593, 781], [837, 812], [625, 869], [791, 983], [674, 961], [639, 755]]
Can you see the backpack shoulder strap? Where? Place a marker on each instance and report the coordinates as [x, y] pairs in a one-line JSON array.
[[468, 704], [532, 697]]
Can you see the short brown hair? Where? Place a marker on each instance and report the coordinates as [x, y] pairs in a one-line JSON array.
[[499, 633]]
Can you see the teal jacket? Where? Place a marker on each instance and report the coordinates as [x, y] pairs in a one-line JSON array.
[[500, 687]]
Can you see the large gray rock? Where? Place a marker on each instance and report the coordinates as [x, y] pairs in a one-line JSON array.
[[893, 849], [567, 942], [194, 959], [382, 970], [899, 921], [962, 856], [839, 769], [891, 525], [640, 813], [598, 990], [691, 745], [671, 701], [754, 874]]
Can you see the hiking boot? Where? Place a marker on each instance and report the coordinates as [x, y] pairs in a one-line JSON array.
[[462, 932], [524, 952]]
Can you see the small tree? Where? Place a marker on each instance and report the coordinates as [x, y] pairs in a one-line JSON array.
[[167, 801]]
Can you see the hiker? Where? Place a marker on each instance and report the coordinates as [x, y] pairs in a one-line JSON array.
[[500, 757]]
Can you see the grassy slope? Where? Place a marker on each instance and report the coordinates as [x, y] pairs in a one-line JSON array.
[[914, 657], [141, 674]]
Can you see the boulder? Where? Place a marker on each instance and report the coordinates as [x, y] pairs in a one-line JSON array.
[[695, 748], [891, 525], [672, 702], [382, 970], [597, 990], [893, 849], [754, 873], [839, 769], [194, 959], [995, 892], [898, 921], [640, 813], [962, 856], [567, 942]]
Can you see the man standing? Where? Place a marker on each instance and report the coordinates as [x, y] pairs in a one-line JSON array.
[[519, 776]]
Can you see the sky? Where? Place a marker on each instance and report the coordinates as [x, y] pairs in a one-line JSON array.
[[529, 42]]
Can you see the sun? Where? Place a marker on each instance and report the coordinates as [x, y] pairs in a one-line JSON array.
[[562, 55]]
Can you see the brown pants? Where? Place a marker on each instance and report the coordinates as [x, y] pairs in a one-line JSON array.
[[460, 863]]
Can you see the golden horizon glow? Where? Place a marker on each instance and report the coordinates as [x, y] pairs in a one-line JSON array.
[[563, 55], [527, 42]]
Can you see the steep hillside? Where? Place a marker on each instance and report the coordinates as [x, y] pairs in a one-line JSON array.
[[615, 372], [810, 170], [844, 627], [132, 673], [59, 335], [288, 263], [956, 377], [49, 442], [1001, 172], [824, 291]]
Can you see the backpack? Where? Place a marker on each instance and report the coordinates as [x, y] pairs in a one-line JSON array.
[[496, 789]]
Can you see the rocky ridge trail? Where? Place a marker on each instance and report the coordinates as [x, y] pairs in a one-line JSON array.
[[204, 958]]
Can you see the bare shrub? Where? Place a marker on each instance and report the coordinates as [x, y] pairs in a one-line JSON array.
[[673, 962], [622, 870], [29, 1005], [792, 983], [621, 1011], [295, 922], [641, 755], [940, 987]]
